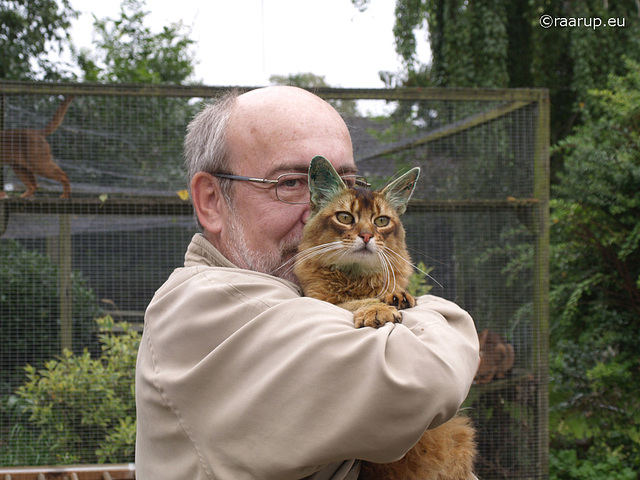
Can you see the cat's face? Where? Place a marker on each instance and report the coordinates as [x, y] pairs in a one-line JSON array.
[[354, 229], [359, 230]]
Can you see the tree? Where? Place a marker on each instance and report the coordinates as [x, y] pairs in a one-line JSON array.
[[302, 80], [127, 51], [29, 31], [501, 43], [596, 281]]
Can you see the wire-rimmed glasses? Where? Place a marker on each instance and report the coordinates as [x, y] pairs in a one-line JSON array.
[[294, 187]]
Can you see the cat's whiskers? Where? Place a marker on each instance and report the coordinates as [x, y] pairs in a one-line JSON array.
[[397, 256], [307, 254], [385, 272], [388, 272]]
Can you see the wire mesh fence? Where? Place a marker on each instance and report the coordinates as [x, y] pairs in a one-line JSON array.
[[74, 268]]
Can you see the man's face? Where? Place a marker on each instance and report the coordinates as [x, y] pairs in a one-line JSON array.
[[262, 233]]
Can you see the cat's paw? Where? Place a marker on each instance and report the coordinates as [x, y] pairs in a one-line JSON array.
[[400, 299], [376, 315]]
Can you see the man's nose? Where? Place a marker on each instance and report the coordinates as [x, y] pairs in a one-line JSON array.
[[305, 213]]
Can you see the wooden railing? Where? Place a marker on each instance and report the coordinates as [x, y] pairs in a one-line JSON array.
[[71, 472]]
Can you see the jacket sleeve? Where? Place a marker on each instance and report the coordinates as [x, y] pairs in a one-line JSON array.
[[266, 384]]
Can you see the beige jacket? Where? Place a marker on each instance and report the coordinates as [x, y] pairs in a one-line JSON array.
[[239, 377]]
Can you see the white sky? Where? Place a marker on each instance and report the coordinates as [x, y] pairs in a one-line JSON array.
[[243, 42]]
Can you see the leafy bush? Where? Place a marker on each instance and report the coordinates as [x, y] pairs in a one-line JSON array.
[[595, 296], [87, 404], [419, 280], [565, 465], [29, 308]]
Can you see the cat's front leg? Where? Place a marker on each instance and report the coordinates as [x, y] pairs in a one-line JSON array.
[[400, 299], [372, 312], [376, 315]]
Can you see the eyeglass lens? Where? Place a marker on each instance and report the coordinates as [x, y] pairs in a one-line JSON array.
[[294, 187]]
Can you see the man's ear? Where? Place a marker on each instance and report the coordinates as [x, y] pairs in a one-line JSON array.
[[208, 201]]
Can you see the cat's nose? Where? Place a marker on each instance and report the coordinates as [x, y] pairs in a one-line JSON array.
[[366, 237]]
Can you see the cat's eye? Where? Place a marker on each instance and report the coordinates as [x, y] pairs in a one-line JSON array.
[[381, 221], [345, 217]]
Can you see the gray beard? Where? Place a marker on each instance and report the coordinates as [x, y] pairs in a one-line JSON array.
[[271, 263]]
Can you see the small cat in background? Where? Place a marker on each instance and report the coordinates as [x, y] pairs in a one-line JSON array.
[[353, 254], [496, 357], [28, 153]]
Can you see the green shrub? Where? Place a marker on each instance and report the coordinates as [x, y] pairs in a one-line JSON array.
[[87, 404], [565, 465], [419, 280], [595, 294], [29, 309]]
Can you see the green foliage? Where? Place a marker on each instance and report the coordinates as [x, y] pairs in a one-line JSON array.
[[302, 80], [129, 52], [87, 404], [565, 465], [469, 43], [126, 51], [500, 43], [596, 280], [418, 282], [29, 308], [29, 30]]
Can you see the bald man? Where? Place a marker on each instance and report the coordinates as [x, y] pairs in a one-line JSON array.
[[238, 375]]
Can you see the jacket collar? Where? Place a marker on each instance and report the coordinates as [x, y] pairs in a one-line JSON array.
[[202, 252]]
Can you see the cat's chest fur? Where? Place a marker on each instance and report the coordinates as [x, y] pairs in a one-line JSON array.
[[336, 286]]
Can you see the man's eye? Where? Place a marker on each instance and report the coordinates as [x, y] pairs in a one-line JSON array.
[[293, 182]]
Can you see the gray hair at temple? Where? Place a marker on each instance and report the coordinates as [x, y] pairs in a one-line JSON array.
[[205, 145]]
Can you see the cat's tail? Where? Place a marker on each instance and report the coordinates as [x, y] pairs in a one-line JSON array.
[[55, 122]]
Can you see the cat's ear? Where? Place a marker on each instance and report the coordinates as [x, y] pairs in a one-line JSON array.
[[324, 181], [400, 190]]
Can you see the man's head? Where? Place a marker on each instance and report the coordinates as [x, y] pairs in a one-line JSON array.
[[263, 133]]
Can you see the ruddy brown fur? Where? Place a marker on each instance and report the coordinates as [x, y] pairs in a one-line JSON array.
[[444, 453], [353, 254], [496, 357], [28, 153]]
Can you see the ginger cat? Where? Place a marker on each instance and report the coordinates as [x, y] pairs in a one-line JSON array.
[[353, 254], [28, 153], [496, 357]]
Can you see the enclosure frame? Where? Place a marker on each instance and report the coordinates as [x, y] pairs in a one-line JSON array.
[[536, 207]]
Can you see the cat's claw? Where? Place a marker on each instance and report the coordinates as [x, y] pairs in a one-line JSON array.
[[400, 300], [376, 316]]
